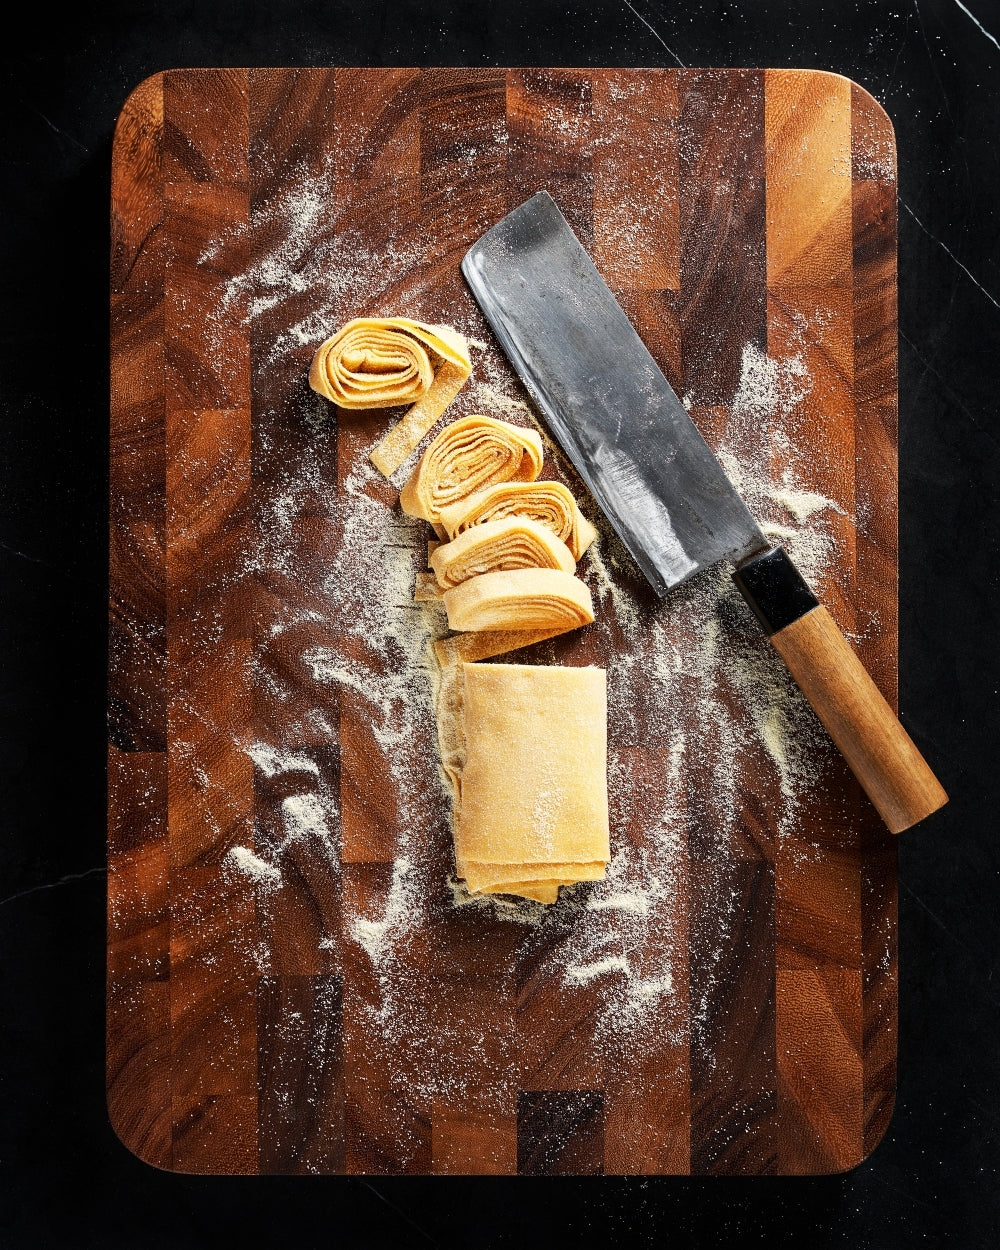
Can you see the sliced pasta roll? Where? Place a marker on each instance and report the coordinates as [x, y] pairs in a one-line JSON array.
[[520, 599], [548, 503], [515, 542], [379, 363], [467, 456]]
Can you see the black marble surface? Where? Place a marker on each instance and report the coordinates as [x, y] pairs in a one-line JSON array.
[[65, 1180]]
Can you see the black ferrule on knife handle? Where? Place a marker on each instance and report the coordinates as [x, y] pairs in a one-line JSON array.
[[775, 589]]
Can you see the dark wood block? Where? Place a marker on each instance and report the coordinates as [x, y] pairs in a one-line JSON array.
[[300, 1074], [733, 1063], [138, 1067], [722, 228], [210, 777], [214, 966], [549, 119], [818, 908], [206, 132], [300, 912], [647, 1121], [207, 361], [139, 914], [560, 1133], [880, 978], [137, 609], [636, 202]]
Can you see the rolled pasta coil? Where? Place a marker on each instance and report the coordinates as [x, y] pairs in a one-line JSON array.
[[373, 363], [548, 503], [520, 599], [467, 456], [515, 542]]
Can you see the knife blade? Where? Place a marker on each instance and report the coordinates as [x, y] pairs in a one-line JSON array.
[[662, 489]]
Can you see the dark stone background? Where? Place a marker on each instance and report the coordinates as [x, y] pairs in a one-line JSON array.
[[65, 1180]]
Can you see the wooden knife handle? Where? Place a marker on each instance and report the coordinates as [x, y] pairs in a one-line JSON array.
[[878, 749]]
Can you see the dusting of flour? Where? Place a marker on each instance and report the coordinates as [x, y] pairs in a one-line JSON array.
[[701, 711]]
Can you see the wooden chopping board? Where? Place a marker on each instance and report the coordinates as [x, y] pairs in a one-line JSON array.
[[292, 985]]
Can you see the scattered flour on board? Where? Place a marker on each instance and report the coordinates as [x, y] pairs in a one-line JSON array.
[[242, 860], [685, 679]]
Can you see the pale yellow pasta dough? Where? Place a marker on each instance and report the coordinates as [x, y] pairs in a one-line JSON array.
[[548, 503], [515, 542], [382, 362], [469, 455], [540, 892], [520, 599], [533, 807], [479, 876], [452, 654], [379, 363]]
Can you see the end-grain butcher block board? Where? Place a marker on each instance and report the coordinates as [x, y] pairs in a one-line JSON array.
[[294, 983]]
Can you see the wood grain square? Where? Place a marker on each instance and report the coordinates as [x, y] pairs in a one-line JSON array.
[[722, 302], [467, 1143], [654, 315], [634, 163], [214, 1135], [378, 123], [210, 775], [137, 791], [293, 701], [733, 1062], [136, 178], [289, 114], [462, 128], [137, 612], [139, 914], [300, 910], [214, 965], [647, 1121], [207, 356], [873, 141], [560, 1132], [818, 908], [808, 138], [549, 116], [879, 985]]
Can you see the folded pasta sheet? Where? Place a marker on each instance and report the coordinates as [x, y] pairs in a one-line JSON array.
[[548, 503], [520, 599], [532, 805], [467, 456], [380, 363], [452, 654], [516, 542]]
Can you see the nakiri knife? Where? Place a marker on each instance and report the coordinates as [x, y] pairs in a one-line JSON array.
[[662, 489]]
